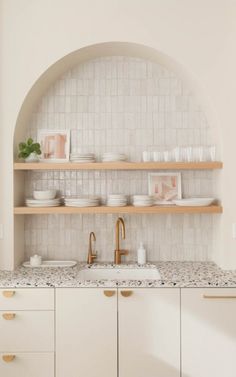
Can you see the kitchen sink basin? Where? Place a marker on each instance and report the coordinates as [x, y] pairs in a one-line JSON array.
[[119, 274]]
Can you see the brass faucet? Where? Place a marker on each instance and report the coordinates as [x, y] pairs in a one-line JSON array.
[[118, 252], [91, 254]]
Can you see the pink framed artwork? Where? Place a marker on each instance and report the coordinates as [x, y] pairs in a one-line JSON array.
[[55, 145], [165, 187]]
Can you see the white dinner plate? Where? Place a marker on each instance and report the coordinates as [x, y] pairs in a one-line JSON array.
[[194, 202], [81, 205], [32, 200], [142, 205], [42, 205]]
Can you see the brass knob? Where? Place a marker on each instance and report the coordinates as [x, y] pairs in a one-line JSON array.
[[109, 293], [8, 316], [8, 294], [126, 293], [8, 358]]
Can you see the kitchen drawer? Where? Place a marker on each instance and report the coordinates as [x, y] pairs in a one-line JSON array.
[[26, 331], [27, 365], [27, 299]]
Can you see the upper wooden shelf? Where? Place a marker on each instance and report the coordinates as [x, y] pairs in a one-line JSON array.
[[120, 166], [116, 210]]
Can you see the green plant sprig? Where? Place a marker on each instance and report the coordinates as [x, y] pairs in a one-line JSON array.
[[25, 149]]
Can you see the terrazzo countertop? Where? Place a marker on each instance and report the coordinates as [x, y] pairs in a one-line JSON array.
[[173, 274]]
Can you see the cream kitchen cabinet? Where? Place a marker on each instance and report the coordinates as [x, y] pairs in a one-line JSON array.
[[208, 332], [149, 332], [86, 332], [27, 332], [125, 333]]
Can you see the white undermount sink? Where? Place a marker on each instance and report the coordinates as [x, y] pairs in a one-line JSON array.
[[119, 274]]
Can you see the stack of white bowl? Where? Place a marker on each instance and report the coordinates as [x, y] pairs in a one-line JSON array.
[[82, 157], [43, 198], [117, 200], [113, 157], [143, 200], [82, 201]]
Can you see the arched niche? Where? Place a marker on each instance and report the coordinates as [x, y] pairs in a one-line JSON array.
[[68, 62]]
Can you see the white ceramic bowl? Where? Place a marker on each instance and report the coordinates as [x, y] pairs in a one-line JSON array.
[[45, 194]]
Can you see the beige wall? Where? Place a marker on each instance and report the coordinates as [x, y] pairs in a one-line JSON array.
[[200, 35]]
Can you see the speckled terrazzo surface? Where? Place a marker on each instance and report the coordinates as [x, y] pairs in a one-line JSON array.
[[173, 274]]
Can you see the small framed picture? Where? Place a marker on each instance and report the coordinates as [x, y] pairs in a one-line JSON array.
[[55, 145], [165, 187]]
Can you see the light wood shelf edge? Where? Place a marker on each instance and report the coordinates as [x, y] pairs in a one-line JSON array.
[[120, 166], [214, 209]]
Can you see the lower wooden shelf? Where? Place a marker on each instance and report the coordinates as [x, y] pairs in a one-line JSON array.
[[128, 209]]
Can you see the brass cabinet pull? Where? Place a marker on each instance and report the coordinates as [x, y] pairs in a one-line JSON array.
[[8, 316], [219, 297], [126, 293], [109, 293], [8, 294], [8, 358]]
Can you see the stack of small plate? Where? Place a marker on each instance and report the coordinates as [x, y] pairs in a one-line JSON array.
[[143, 200], [82, 157], [117, 200], [30, 202], [113, 156], [82, 201]]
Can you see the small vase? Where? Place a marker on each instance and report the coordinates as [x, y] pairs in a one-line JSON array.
[[33, 157]]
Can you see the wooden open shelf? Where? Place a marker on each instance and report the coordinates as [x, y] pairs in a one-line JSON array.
[[120, 166], [129, 210]]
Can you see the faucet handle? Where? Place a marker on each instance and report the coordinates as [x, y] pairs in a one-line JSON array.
[[92, 257], [124, 252], [118, 254]]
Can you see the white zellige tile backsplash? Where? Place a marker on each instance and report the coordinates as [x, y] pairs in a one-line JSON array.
[[126, 105]]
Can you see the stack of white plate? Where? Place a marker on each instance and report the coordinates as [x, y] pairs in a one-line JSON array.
[[82, 157], [118, 200], [82, 201], [113, 156], [143, 200], [30, 202]]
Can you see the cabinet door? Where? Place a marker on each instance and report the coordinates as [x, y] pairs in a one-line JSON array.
[[27, 365], [86, 332], [149, 332], [208, 332], [27, 331]]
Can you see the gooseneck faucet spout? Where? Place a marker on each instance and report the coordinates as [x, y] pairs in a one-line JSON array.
[[91, 255], [118, 252]]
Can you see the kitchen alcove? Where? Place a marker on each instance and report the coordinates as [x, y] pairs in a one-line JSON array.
[[170, 116]]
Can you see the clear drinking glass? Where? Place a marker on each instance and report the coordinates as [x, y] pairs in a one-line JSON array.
[[211, 153], [177, 154], [157, 156], [187, 154], [167, 156], [198, 154], [147, 156]]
